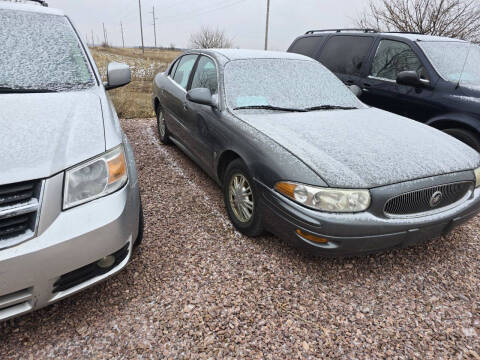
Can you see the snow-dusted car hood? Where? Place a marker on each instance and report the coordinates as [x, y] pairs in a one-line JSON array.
[[365, 148], [43, 134]]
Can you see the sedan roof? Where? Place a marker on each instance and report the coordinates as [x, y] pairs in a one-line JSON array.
[[243, 54]]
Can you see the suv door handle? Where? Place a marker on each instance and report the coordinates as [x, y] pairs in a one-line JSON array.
[[349, 82]]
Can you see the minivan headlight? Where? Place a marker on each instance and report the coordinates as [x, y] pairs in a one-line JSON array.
[[96, 178], [477, 177], [326, 199]]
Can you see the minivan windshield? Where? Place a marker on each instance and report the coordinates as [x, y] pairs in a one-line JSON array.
[[40, 52], [455, 61], [285, 85]]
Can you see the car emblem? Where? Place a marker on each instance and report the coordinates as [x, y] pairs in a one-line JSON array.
[[436, 199]]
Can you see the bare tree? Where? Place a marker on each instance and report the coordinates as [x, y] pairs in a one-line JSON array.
[[207, 38], [452, 18]]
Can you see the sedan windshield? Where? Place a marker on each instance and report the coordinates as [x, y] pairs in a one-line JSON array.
[[455, 61], [40, 52], [285, 85]]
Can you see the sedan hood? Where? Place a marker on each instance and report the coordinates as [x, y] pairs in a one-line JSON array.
[[43, 134], [364, 148]]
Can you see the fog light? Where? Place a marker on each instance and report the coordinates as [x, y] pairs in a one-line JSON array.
[[106, 262], [312, 238]]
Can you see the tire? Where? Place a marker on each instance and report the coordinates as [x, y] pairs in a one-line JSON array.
[[246, 216], [465, 136], [141, 226], [163, 133]]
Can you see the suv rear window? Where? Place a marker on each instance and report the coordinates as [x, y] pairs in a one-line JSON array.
[[307, 45], [41, 52], [346, 54]]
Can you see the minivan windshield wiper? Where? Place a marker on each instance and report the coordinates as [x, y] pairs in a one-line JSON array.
[[269, 107], [330, 107], [9, 90]]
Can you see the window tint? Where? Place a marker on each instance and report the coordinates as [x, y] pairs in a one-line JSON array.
[[185, 66], [205, 75], [346, 54], [307, 45], [393, 57]]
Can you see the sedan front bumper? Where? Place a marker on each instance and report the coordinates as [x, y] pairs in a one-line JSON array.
[[360, 233], [55, 263]]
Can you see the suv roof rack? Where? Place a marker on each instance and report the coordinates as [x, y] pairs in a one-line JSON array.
[[41, 2], [340, 30]]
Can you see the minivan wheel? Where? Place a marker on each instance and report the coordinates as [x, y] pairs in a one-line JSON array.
[[241, 199], [466, 137], [163, 133]]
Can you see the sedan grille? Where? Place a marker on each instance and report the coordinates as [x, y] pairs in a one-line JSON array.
[[433, 199], [19, 205]]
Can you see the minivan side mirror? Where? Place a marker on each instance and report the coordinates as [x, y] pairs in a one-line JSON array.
[[356, 90], [117, 75], [409, 78], [202, 96]]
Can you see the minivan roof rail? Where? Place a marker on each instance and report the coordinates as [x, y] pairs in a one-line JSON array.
[[340, 30], [41, 2]]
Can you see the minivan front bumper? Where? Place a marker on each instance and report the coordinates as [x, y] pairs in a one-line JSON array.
[[66, 242], [354, 234]]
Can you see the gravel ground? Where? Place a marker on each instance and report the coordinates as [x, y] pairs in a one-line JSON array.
[[198, 289]]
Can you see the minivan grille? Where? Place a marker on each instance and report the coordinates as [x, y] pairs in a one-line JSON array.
[[430, 199], [19, 205]]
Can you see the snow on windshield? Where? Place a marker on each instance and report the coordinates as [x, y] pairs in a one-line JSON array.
[[454, 60], [284, 83], [41, 51]]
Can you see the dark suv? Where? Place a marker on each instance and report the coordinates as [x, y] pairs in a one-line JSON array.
[[431, 79]]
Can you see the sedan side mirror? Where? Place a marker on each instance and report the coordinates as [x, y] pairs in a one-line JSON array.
[[117, 75], [409, 78], [202, 96]]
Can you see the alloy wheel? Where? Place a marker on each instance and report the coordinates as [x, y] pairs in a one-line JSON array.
[[241, 198]]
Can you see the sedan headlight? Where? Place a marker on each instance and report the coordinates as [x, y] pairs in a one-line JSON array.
[[477, 177], [96, 178], [326, 199]]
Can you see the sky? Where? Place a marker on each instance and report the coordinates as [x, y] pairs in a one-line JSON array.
[[242, 20]]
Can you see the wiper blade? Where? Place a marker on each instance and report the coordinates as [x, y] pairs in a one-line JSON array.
[[9, 90], [330, 107], [269, 107]]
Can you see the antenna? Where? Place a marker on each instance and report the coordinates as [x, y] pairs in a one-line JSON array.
[[464, 66]]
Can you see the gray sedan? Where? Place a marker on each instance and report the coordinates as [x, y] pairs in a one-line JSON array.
[[298, 155]]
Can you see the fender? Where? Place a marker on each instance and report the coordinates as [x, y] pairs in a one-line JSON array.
[[455, 120]]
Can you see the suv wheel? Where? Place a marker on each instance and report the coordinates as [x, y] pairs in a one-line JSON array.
[[465, 136], [241, 199], [163, 133]]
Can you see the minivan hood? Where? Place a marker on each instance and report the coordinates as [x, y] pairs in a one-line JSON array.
[[43, 134], [364, 148]]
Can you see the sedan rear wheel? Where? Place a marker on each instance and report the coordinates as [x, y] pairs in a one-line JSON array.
[[241, 199], [163, 133]]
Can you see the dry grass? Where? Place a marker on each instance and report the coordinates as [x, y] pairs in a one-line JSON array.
[[134, 100]]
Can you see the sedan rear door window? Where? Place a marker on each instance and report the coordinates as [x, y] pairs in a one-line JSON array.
[[184, 69], [346, 54], [393, 57], [206, 75]]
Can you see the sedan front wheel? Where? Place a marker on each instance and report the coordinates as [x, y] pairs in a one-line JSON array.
[[163, 133], [241, 199]]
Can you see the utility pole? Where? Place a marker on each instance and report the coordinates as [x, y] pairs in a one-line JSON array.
[[93, 40], [141, 24], [154, 26], [105, 35], [123, 38], [266, 28]]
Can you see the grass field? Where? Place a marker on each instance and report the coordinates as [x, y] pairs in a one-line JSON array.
[[134, 100]]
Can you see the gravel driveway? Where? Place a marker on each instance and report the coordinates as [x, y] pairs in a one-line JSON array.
[[198, 289]]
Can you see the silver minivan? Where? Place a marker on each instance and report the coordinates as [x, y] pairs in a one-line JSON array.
[[70, 209]]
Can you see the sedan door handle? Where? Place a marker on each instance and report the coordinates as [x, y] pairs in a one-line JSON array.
[[185, 107]]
